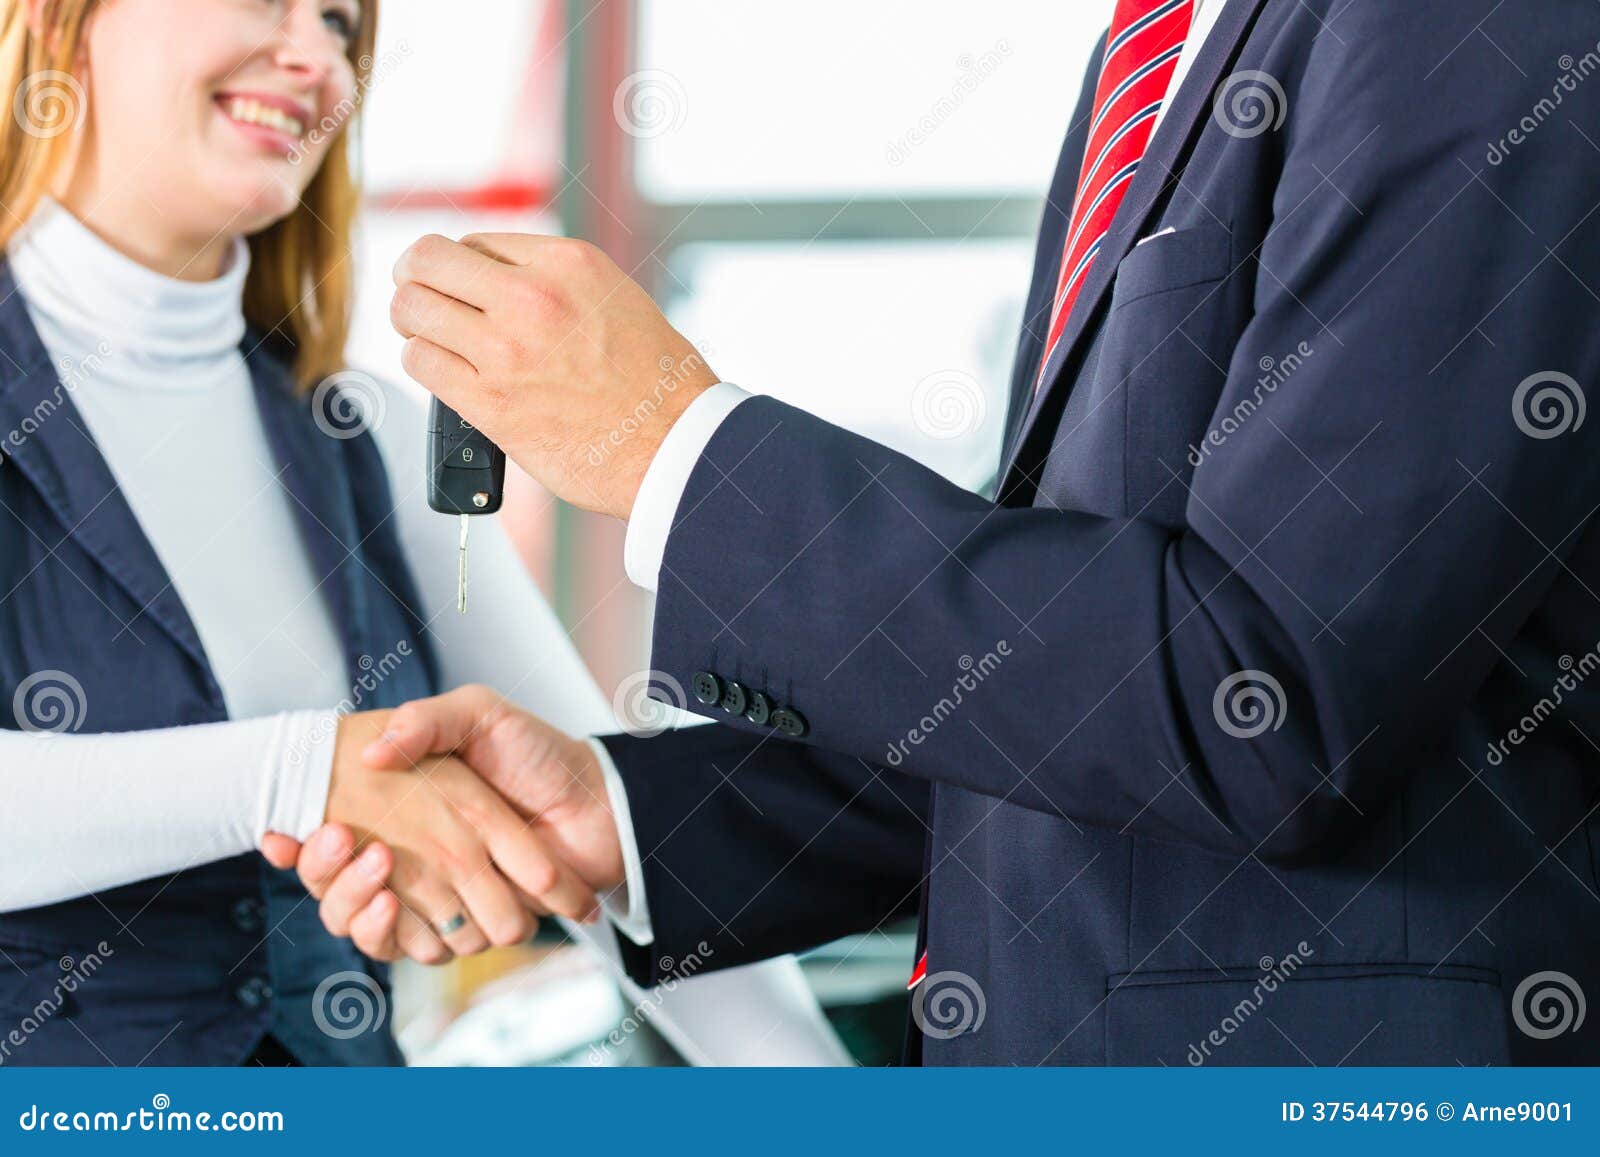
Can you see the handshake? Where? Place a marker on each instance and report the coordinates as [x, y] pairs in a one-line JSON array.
[[453, 823]]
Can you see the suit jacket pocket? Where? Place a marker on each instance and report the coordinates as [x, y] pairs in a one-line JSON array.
[[1372, 1014], [1177, 309]]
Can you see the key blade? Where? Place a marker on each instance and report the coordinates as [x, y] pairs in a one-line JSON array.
[[461, 567]]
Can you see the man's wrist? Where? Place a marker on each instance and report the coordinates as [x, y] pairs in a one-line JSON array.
[[655, 505], [626, 903]]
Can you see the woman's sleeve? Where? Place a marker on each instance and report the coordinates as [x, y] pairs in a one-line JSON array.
[[88, 812], [512, 641]]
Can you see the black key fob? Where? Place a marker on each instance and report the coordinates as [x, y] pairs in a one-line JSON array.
[[466, 471]]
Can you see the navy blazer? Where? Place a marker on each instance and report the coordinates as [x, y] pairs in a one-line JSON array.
[[192, 968], [1250, 725]]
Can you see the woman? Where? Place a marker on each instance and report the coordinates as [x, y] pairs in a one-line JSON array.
[[200, 557]]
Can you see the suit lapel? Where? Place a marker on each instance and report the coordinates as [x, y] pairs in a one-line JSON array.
[[50, 444], [1164, 160]]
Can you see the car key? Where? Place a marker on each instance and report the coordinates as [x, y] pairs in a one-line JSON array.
[[466, 476]]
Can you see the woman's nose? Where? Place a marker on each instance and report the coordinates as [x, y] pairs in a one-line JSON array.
[[303, 45]]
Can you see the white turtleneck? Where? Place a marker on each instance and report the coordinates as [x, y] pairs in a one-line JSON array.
[[171, 409]]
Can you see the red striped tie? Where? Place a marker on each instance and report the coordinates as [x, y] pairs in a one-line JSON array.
[[1142, 51]]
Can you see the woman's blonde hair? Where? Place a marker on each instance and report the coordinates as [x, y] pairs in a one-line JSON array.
[[300, 285]]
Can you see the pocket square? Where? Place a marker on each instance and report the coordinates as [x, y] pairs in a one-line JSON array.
[[1146, 240]]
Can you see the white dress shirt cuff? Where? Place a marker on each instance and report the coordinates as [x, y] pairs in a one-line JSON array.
[[297, 795], [667, 477], [625, 904]]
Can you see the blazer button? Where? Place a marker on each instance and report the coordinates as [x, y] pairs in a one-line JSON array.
[[735, 697], [790, 722], [760, 709], [247, 914], [707, 688], [254, 992]]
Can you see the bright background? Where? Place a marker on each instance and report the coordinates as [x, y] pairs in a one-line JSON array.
[[835, 201]]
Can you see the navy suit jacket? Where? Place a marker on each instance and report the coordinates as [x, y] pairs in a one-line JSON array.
[[1250, 724]]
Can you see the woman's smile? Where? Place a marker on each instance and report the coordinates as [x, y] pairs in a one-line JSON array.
[[274, 123]]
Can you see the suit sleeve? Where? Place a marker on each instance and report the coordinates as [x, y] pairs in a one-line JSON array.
[[1353, 566], [753, 846]]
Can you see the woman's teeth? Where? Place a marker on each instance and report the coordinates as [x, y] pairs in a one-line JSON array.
[[255, 113]]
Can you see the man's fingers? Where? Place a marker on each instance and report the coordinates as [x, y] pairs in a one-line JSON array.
[[372, 929], [526, 862], [455, 270], [355, 887], [325, 854], [281, 851], [509, 248], [438, 370], [433, 726], [496, 908], [418, 311]]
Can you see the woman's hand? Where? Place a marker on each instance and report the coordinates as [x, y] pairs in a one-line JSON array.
[[448, 846]]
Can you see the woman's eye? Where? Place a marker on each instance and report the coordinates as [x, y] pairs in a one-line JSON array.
[[341, 22]]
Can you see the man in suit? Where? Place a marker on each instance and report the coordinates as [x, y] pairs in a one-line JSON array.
[[1249, 723]]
